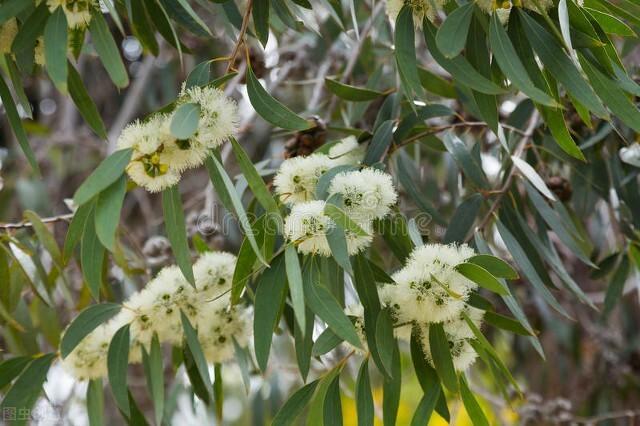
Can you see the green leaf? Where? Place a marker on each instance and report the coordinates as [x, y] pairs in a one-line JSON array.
[[87, 321], [16, 124], [616, 287], [117, 364], [270, 108], [459, 68], [332, 412], [184, 122], [406, 54], [533, 177], [92, 257], [155, 376], [452, 34], [25, 391], [326, 307], [442, 357], [391, 388], [224, 184], [255, 181], [494, 265], [425, 408], [295, 405], [428, 379], [382, 137], [560, 65], [45, 236], [482, 277], [12, 8], [191, 339], [103, 176], [364, 398], [24, 43], [84, 103], [260, 14], [95, 402], [176, 230], [510, 64], [55, 48], [75, 230], [193, 16], [315, 416], [325, 342], [270, 297], [324, 182], [471, 405], [107, 49], [615, 99], [342, 219], [463, 219], [610, 24], [11, 368], [303, 340], [505, 323], [351, 93], [385, 340], [296, 289], [200, 75], [462, 155], [142, 26], [107, 212], [338, 244]]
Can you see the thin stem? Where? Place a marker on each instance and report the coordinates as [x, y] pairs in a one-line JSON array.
[[26, 224], [240, 41]]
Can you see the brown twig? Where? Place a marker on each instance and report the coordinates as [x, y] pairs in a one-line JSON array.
[[240, 41], [27, 224]]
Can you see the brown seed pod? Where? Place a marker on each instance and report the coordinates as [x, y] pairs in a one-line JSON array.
[[306, 141]]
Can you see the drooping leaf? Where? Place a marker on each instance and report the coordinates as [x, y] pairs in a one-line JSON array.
[[107, 212], [364, 398], [463, 219], [117, 363], [92, 257], [260, 14], [192, 342], [184, 121], [406, 53], [442, 357], [107, 49], [296, 287], [382, 138], [103, 176], [452, 34], [55, 48], [294, 406], [176, 230], [471, 405], [84, 103], [351, 93], [87, 321], [482, 277], [270, 108]]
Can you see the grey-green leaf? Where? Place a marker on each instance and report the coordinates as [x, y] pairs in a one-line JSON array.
[[104, 175], [87, 321], [184, 121]]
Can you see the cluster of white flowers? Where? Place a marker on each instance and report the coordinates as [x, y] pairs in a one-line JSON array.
[[159, 158], [429, 290], [421, 9], [77, 12], [367, 194], [156, 310], [503, 7]]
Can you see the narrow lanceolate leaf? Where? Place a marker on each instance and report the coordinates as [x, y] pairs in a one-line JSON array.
[[117, 363], [341, 218], [429, 381], [87, 321], [184, 122], [95, 402], [192, 342], [325, 342], [260, 14], [326, 307], [351, 93], [295, 405], [92, 257], [533, 177], [385, 340], [270, 108], [442, 357], [364, 398], [452, 34], [55, 48], [406, 53], [510, 64], [11, 368], [16, 124], [45, 236], [459, 67], [270, 297], [11, 8], [84, 103], [616, 287], [27, 388], [482, 277], [176, 230], [107, 49], [225, 186], [468, 164], [380, 142], [104, 175], [471, 405], [610, 24], [75, 230], [255, 181], [194, 16], [107, 212], [463, 219], [315, 416], [612, 95], [496, 266], [200, 75], [560, 65], [296, 289], [155, 376], [391, 389]]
